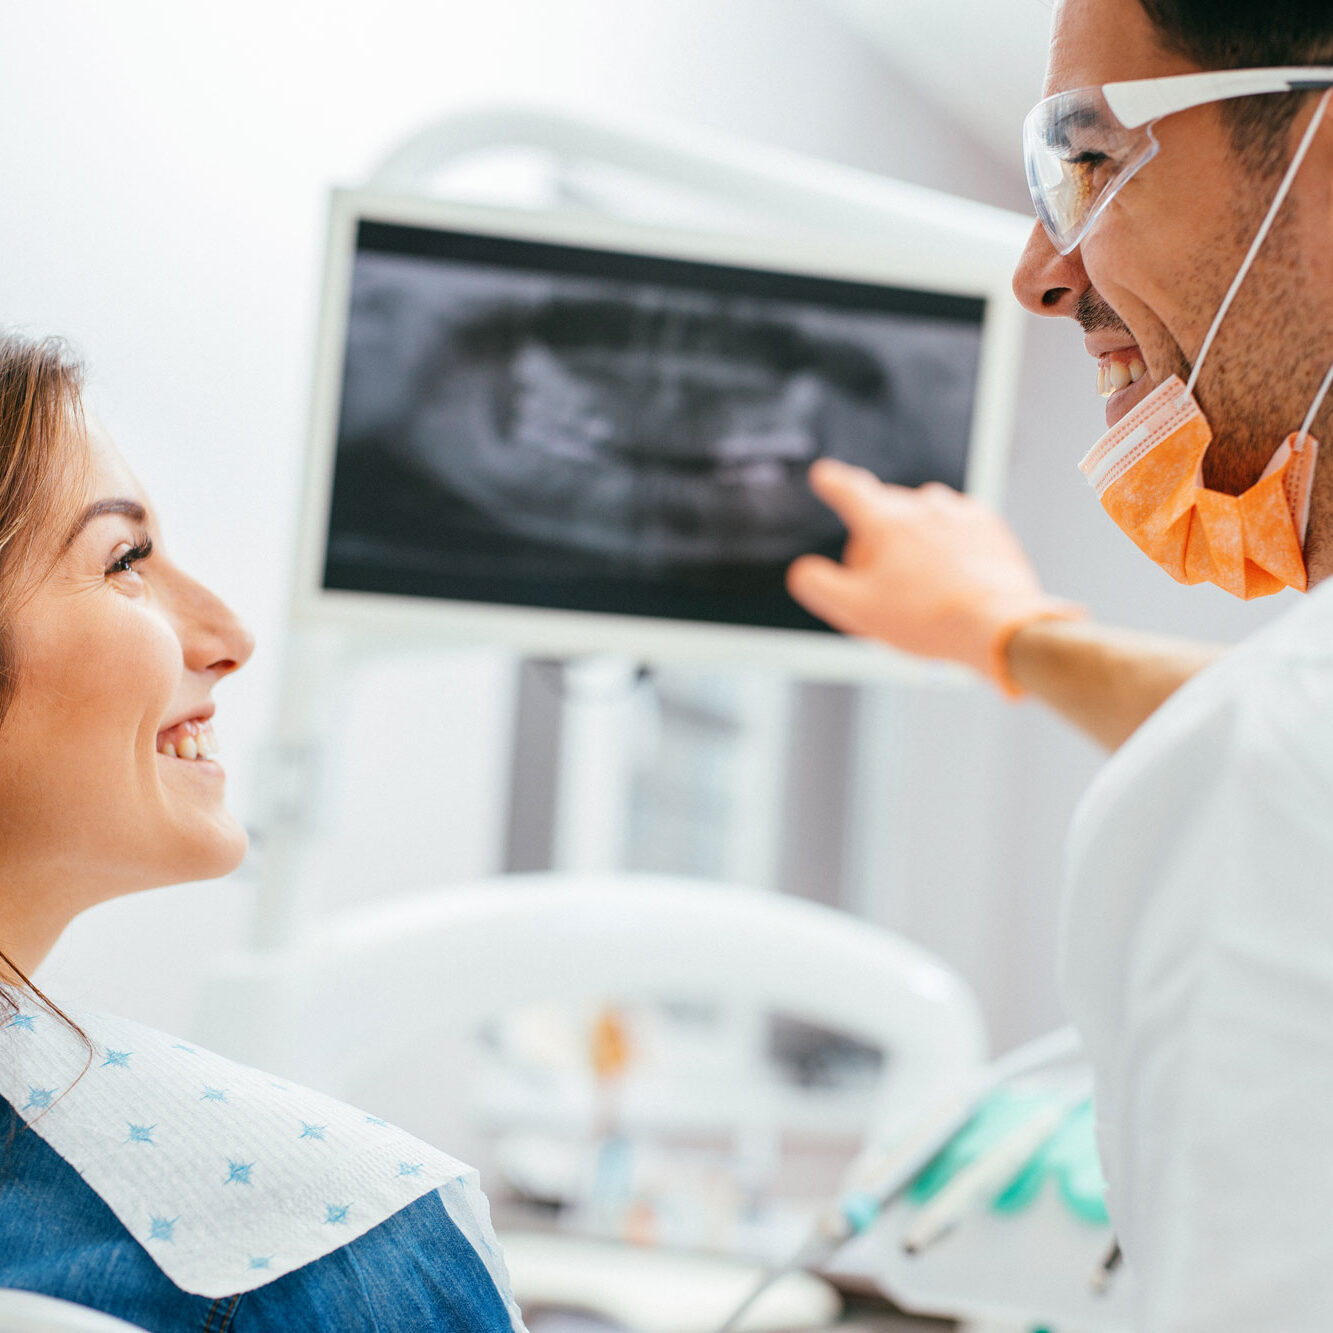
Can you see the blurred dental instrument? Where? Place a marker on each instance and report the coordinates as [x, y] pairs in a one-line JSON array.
[[990, 1172], [884, 1169], [1101, 1279]]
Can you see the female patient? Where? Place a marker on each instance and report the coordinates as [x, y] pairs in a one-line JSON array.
[[141, 1175]]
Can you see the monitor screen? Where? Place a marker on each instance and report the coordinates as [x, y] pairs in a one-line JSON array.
[[530, 423]]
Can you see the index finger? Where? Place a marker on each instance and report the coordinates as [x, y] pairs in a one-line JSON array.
[[855, 494]]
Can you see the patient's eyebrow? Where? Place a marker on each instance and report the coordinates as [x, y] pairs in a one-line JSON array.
[[114, 505]]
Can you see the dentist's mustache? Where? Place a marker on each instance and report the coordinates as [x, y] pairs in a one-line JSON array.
[[1093, 314]]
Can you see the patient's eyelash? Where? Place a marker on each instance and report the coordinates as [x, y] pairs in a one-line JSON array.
[[141, 550]]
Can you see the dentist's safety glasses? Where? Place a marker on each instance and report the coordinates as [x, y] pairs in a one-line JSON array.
[[1080, 147]]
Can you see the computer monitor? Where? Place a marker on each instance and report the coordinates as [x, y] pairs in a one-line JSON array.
[[575, 436]]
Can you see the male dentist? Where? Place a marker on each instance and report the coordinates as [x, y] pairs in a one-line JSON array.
[[1181, 166]]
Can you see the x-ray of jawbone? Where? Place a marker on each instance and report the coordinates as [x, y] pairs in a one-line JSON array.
[[654, 427], [658, 432]]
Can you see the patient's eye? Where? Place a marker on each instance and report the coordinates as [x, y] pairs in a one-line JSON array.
[[127, 560]]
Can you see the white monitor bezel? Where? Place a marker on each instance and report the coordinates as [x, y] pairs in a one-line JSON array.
[[551, 633]]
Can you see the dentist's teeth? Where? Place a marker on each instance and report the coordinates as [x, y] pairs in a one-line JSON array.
[[188, 748], [1119, 375]]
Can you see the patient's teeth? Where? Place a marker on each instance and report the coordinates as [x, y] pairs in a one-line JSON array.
[[1101, 380], [1137, 370], [192, 739], [1119, 375]]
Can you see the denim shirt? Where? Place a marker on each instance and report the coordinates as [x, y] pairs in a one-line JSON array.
[[415, 1270]]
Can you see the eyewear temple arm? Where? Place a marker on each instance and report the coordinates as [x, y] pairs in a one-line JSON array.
[[1137, 101]]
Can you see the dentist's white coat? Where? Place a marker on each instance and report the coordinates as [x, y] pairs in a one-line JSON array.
[[1197, 962]]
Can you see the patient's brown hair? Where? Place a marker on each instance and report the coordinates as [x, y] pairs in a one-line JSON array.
[[42, 462]]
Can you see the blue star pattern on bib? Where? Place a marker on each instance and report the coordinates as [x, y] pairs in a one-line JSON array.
[[239, 1172]]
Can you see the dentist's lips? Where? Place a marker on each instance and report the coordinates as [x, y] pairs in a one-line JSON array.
[[1122, 378]]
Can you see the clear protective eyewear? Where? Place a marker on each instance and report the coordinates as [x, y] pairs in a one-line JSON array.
[[1080, 147]]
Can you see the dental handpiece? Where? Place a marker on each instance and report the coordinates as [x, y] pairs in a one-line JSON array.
[[991, 1171], [883, 1170]]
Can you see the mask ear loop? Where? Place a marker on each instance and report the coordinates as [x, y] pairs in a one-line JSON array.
[[1260, 237], [1304, 434]]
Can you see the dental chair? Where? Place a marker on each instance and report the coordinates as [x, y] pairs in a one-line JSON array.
[[381, 1005]]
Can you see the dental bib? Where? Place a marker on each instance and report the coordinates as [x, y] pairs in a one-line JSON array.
[[1148, 473], [227, 1177]]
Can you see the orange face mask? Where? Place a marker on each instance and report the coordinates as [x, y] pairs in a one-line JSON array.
[[1147, 471]]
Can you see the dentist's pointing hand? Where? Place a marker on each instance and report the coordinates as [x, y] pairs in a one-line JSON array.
[[926, 570]]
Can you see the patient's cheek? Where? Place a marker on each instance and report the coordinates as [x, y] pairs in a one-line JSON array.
[[94, 676]]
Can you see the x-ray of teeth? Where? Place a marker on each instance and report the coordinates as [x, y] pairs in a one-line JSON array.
[[567, 439]]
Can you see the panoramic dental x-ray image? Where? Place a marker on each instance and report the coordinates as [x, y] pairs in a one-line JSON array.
[[540, 425]]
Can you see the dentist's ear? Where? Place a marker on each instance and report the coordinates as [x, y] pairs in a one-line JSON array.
[[1316, 175], [1322, 151]]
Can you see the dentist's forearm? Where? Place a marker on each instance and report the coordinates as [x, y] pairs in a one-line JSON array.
[[1105, 681]]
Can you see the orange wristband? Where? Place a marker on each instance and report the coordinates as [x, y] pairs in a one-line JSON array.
[[999, 646]]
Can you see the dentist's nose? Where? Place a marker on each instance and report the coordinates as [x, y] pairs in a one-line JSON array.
[[1047, 282]]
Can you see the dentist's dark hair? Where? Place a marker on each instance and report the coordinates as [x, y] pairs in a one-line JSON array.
[[1243, 34]]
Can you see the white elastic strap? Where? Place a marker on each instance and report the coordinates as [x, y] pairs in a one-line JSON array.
[[1316, 405], [1260, 237]]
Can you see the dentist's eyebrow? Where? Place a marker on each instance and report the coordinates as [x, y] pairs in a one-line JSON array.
[[115, 505], [1076, 118]]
